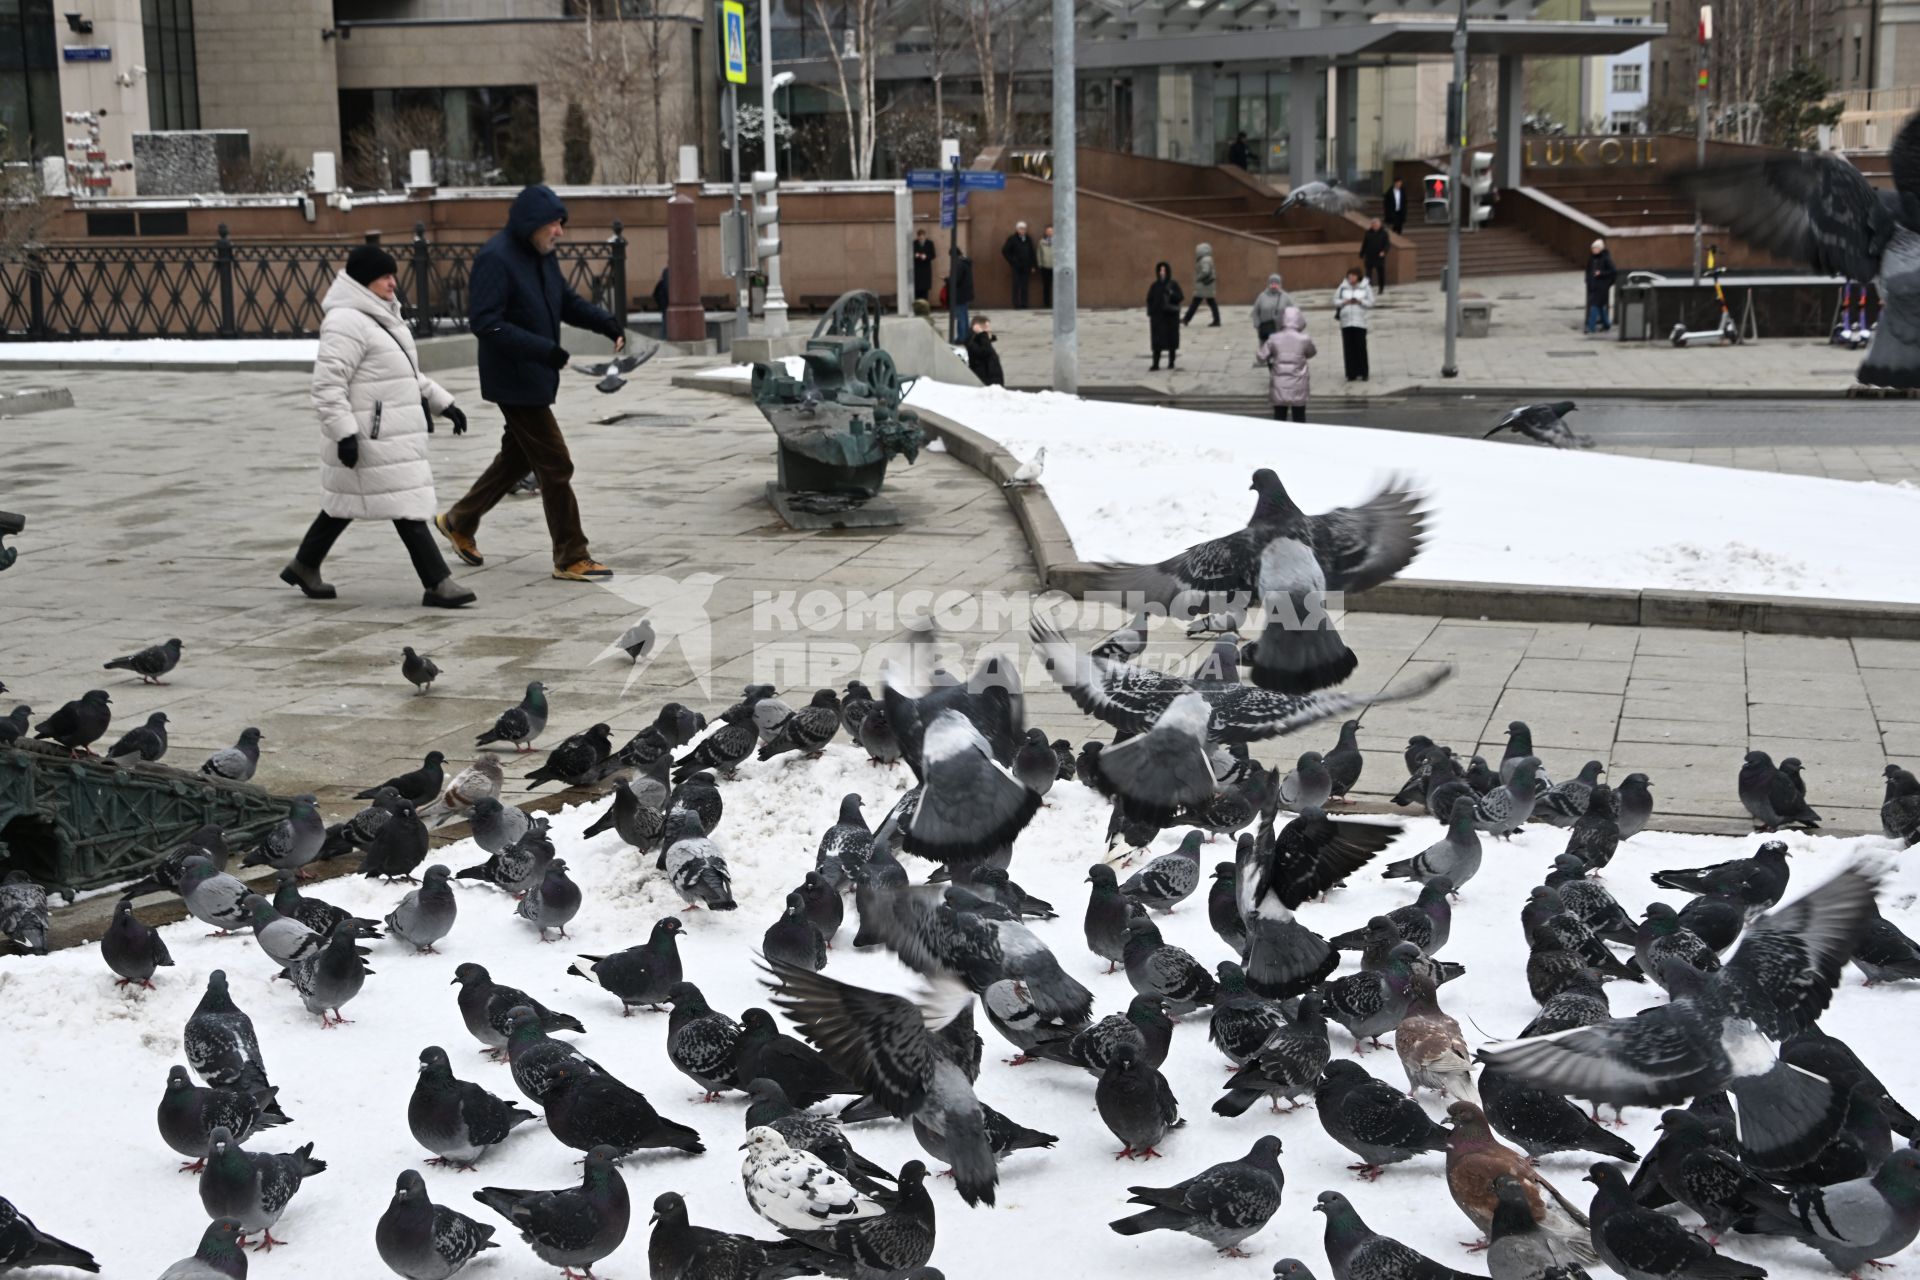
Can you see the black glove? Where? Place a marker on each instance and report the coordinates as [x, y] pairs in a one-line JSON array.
[[457, 418], [349, 450], [558, 357]]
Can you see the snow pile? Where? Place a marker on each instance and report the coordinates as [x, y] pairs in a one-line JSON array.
[[85, 1064], [162, 350]]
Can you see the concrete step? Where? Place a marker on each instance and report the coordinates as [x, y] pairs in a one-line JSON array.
[[1491, 250]]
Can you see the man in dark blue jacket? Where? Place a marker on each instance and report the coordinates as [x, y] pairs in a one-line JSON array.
[[518, 304]]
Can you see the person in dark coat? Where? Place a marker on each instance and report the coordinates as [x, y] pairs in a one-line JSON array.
[[1373, 252], [923, 256], [660, 293], [1021, 258], [1163, 313], [981, 357], [959, 292], [1239, 153], [518, 302], [1600, 274], [1393, 206]]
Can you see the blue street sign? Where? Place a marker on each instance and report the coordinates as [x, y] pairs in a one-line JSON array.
[[733, 17], [946, 209], [87, 53], [982, 180], [925, 179]]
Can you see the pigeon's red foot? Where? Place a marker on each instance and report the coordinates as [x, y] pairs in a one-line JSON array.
[[194, 1166], [1231, 1252], [1019, 1059], [1476, 1246], [1368, 1172], [267, 1242]]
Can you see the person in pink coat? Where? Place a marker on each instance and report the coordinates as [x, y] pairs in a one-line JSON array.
[[1285, 353]]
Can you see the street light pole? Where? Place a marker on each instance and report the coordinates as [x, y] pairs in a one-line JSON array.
[[1705, 33], [1456, 146], [1066, 337], [775, 318]]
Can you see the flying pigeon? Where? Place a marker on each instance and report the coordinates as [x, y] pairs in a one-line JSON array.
[[149, 663], [1544, 422], [520, 724], [1326, 195], [237, 762], [420, 672], [421, 1240], [573, 1227]]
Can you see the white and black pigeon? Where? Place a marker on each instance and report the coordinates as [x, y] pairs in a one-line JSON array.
[[237, 762], [421, 1240], [221, 1046], [1721, 1030], [479, 781], [1324, 194], [1544, 422], [1817, 207], [888, 1044], [1291, 563], [253, 1187], [795, 1189], [1028, 472]]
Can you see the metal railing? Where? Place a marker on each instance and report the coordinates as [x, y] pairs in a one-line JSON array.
[[1869, 118], [228, 289]]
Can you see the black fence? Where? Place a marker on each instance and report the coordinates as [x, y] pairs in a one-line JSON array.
[[246, 290]]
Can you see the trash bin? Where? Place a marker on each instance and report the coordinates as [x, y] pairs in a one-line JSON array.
[[1476, 317], [1633, 308]]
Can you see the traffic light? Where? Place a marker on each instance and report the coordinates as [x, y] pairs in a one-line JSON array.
[[1480, 188], [766, 213], [1437, 203]]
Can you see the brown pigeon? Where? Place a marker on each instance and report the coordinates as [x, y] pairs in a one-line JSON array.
[[1475, 1158], [1430, 1045]]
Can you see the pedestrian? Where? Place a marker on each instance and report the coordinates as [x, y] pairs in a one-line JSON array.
[[661, 295], [1352, 304], [373, 403], [1204, 282], [518, 302], [1021, 258], [1163, 314], [923, 258], [1394, 206], [981, 357], [1239, 153], [1269, 307], [959, 292], [1373, 252], [1600, 275], [1285, 353], [1043, 260]]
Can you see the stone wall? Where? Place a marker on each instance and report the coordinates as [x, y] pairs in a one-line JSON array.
[[264, 68]]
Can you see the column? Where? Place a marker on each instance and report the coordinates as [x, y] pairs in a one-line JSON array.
[[1346, 110], [1508, 122], [1303, 95]]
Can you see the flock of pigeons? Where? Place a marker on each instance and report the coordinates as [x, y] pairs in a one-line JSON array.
[[1769, 1125]]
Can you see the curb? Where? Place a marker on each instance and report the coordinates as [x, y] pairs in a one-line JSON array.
[[27, 400]]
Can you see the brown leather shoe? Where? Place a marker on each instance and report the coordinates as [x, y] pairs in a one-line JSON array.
[[588, 570], [463, 546]]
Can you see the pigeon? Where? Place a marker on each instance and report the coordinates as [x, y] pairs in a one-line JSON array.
[[496, 826], [793, 940], [520, 724], [282, 940], [1476, 1160], [1900, 810], [1004, 1136], [1662, 940], [1564, 802], [723, 749], [221, 1046], [1372, 1002], [640, 975], [420, 672], [944, 935], [1715, 918], [1851, 1223], [1136, 1104], [1276, 873], [1157, 968], [1223, 907], [1504, 810], [588, 1109], [887, 1044], [807, 730], [678, 1250], [213, 897], [1223, 1205], [1356, 1253], [1760, 881], [535, 1058], [576, 761], [132, 948], [895, 1244], [856, 703], [552, 902], [1518, 1248], [358, 831], [702, 1043], [1010, 1008], [1324, 195], [1127, 642], [878, 739], [237, 762], [485, 1004], [253, 1187], [319, 916], [1426, 922], [1633, 805], [1241, 1020], [1692, 1167], [397, 847], [189, 1113], [14, 724], [796, 1190], [1455, 856], [763, 1050], [1645, 1244], [1545, 423], [1372, 1119], [1432, 1051], [331, 977], [845, 845], [1035, 764], [1519, 747], [142, 744], [1596, 834], [518, 866], [1344, 762], [426, 914], [769, 711], [1885, 954], [1028, 472], [638, 640], [767, 1107], [1719, 1029], [824, 907], [24, 918], [418, 786], [572, 1227], [457, 1120], [1307, 785], [1589, 901], [421, 1240], [1774, 796], [1541, 1122], [293, 842], [149, 663], [695, 867], [24, 1245], [1145, 1025], [78, 724], [218, 1257], [1289, 1063], [1169, 879], [637, 822], [1547, 924]]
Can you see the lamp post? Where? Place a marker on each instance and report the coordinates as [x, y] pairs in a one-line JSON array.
[[1700, 128], [1456, 144], [1066, 232], [774, 310]]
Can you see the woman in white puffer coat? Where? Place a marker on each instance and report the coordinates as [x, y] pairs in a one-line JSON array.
[[373, 403]]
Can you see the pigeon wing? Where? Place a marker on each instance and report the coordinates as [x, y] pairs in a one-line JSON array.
[[1363, 546], [1219, 566], [1245, 714], [1814, 207], [1128, 697], [1784, 973], [1661, 1057], [877, 1039]]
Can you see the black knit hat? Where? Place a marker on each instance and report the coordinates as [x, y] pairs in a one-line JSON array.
[[368, 262]]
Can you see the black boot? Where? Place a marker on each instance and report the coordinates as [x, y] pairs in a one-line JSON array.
[[1173, 358], [447, 594], [1156, 363], [308, 580]]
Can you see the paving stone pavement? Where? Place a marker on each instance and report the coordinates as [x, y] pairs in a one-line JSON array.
[[164, 504]]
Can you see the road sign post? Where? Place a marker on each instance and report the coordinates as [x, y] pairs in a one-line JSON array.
[[733, 67]]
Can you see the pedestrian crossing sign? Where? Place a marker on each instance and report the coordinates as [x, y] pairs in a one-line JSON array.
[[733, 24]]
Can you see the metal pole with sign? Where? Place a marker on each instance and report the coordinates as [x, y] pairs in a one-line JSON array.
[[1700, 128], [1456, 145], [950, 219], [1066, 209], [733, 65], [774, 322]]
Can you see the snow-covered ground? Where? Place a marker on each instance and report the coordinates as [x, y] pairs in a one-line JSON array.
[[85, 1064], [161, 350]]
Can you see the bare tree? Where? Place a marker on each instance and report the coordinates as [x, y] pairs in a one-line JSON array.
[[377, 152], [988, 24], [622, 67], [853, 30]]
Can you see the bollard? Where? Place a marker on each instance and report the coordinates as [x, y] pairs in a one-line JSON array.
[[686, 319]]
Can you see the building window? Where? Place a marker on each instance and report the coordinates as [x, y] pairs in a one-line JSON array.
[[483, 136], [1666, 77], [30, 125], [1626, 77], [1856, 59], [173, 84]]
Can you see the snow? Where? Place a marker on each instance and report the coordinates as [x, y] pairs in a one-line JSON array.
[[162, 350], [85, 1063]]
